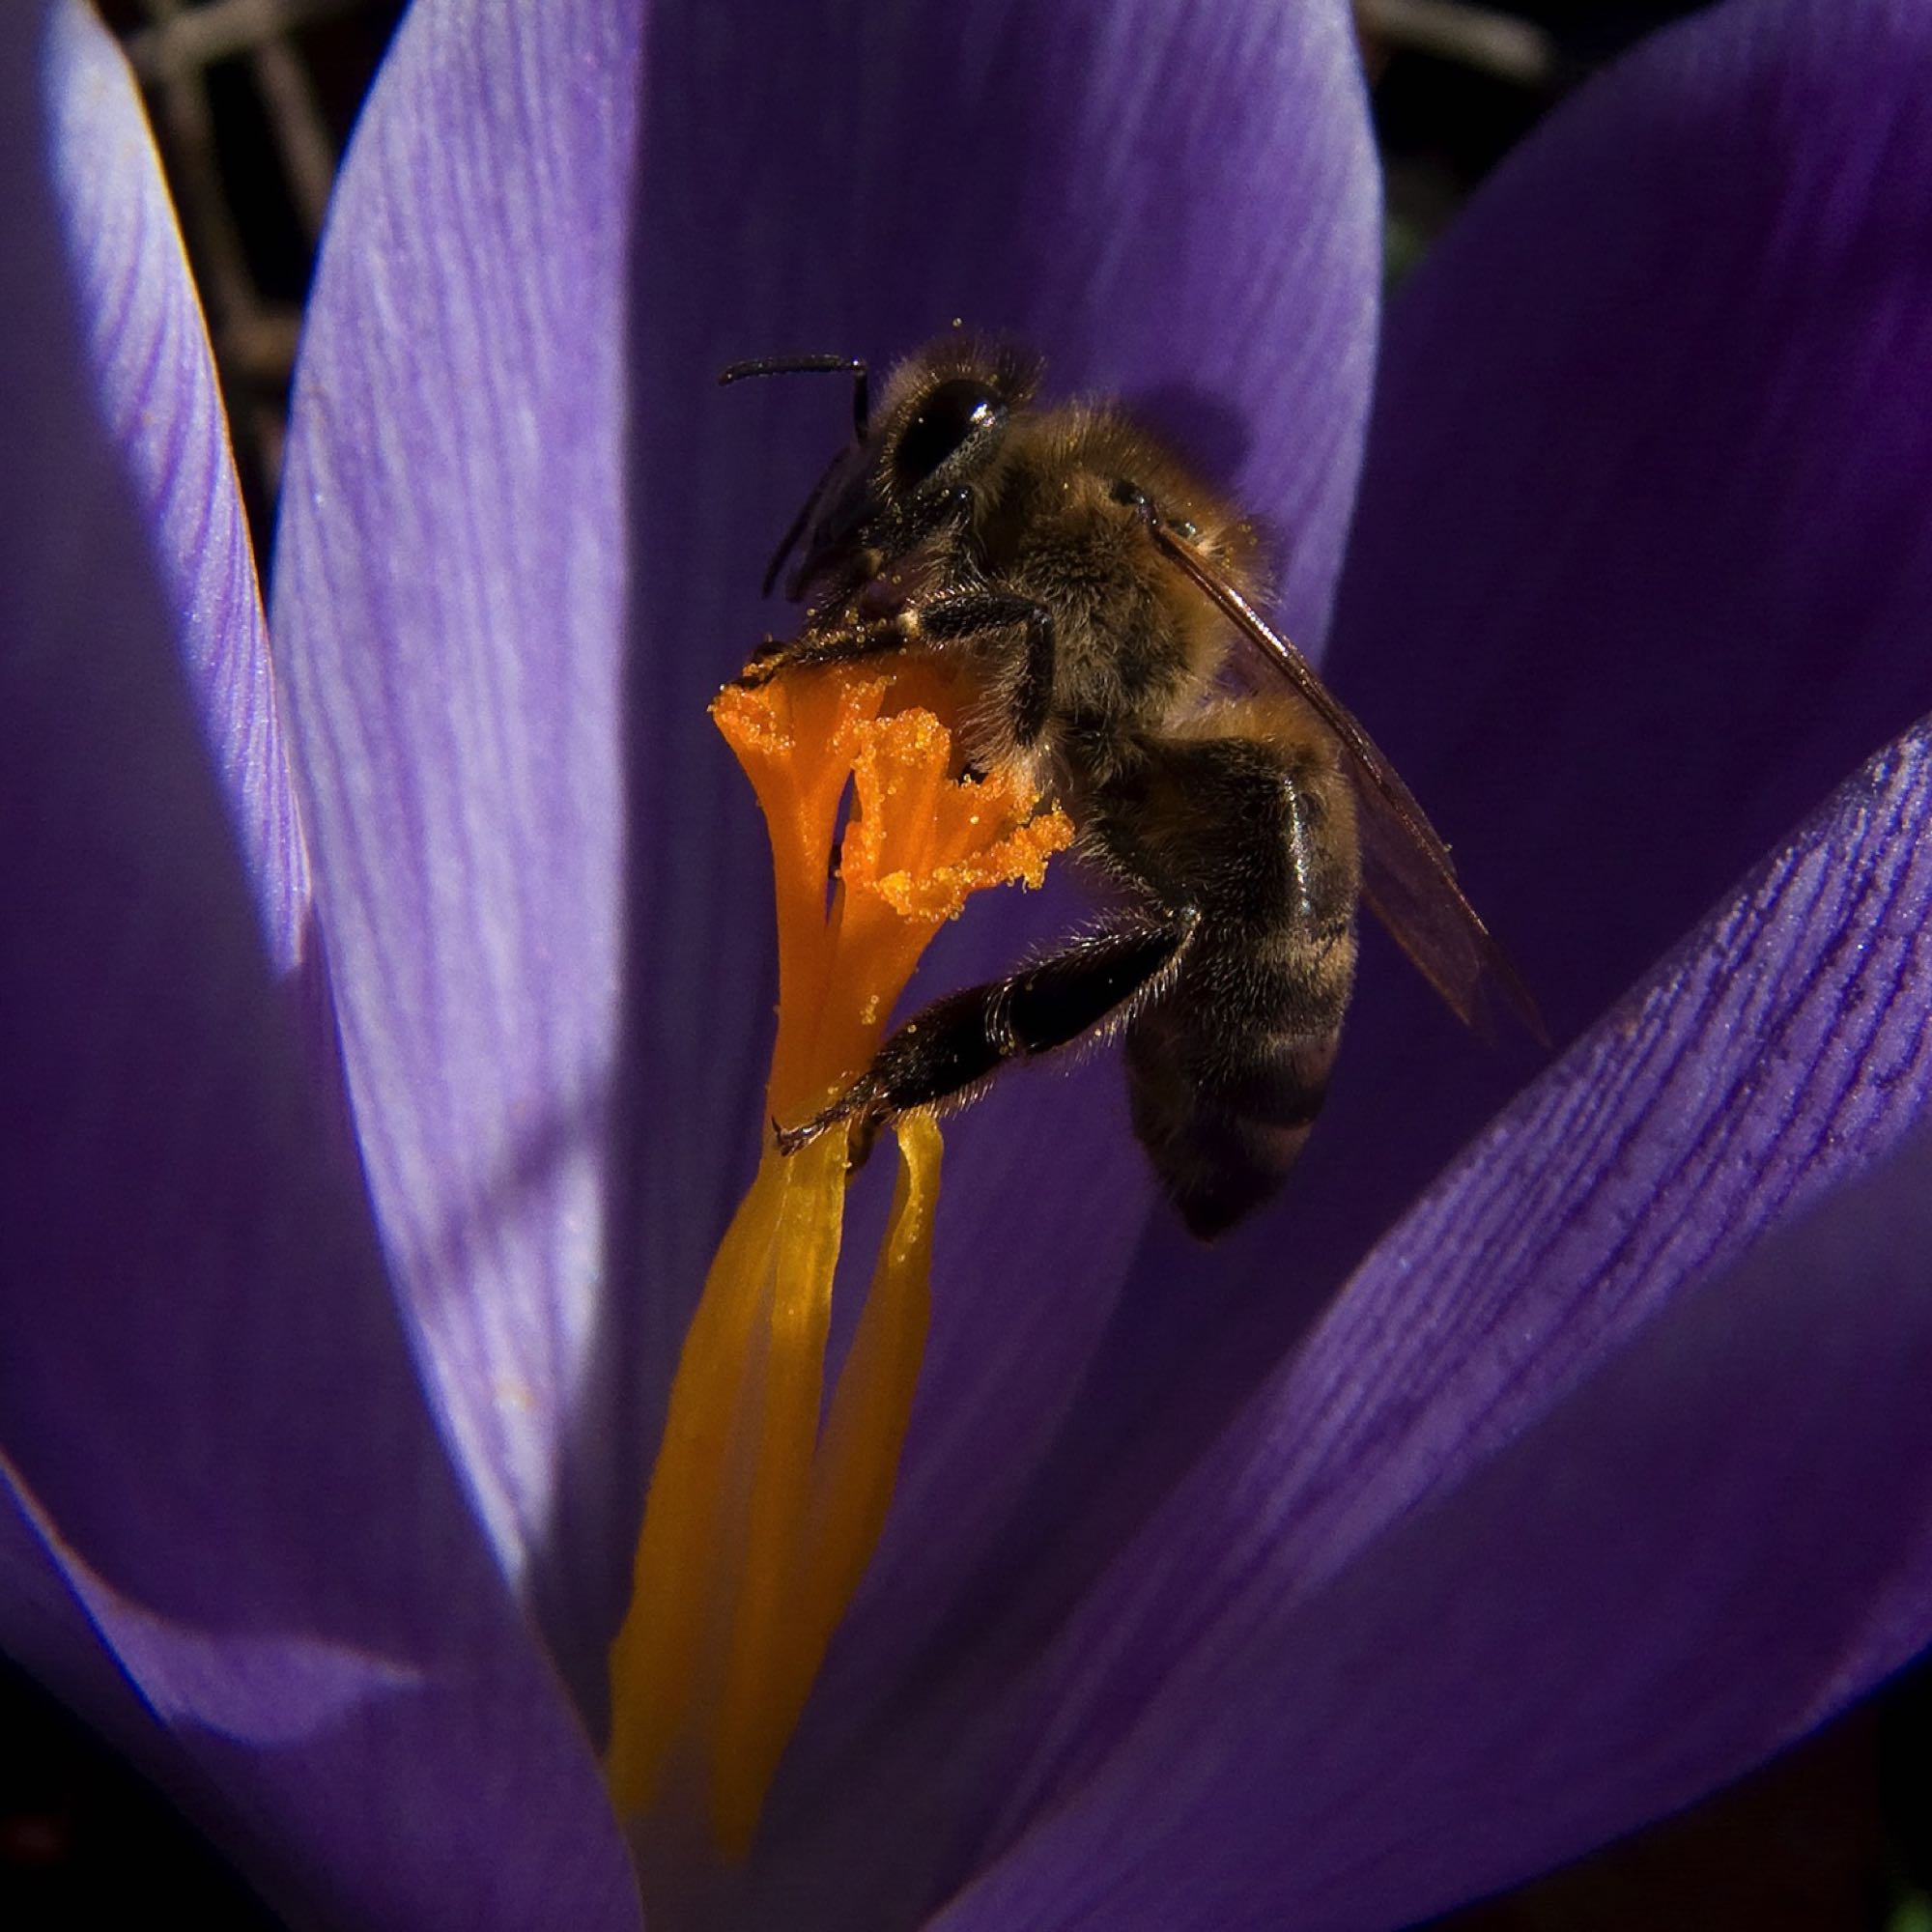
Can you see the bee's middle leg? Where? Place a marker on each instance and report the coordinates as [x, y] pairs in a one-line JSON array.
[[960, 1041]]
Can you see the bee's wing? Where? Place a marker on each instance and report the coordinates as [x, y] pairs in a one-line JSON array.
[[1408, 876]]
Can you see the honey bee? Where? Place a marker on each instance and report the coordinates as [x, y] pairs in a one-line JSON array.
[[1094, 588]]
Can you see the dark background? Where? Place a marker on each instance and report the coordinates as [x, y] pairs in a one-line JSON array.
[[252, 101]]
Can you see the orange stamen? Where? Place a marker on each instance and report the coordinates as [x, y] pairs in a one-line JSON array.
[[763, 1514]]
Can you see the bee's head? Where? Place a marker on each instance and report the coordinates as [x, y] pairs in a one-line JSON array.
[[907, 478]]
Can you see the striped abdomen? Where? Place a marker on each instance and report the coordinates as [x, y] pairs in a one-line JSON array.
[[1228, 1065]]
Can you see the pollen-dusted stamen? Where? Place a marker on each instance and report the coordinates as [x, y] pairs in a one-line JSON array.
[[762, 1514]]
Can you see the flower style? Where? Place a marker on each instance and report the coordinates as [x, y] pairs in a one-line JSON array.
[[1446, 1523]]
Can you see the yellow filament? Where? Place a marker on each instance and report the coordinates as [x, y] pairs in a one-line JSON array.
[[761, 1521], [872, 1406]]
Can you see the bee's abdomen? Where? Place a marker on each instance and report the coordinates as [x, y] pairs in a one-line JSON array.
[[1227, 1066], [1227, 1081]]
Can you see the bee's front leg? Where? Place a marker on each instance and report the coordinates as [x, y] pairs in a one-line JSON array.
[[836, 644]]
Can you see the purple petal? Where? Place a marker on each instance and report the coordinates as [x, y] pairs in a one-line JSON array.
[[214, 1449], [1641, 566], [144, 344], [42, 1620], [1633, 1411], [515, 567], [450, 602], [1718, 1542]]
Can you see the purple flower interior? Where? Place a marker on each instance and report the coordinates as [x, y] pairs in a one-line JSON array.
[[1216, 1557]]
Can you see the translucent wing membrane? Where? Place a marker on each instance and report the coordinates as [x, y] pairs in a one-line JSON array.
[[1408, 876]]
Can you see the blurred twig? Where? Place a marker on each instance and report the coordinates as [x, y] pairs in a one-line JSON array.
[[182, 36], [180, 50], [180, 44], [1500, 45]]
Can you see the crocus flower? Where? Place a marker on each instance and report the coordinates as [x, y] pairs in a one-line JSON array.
[[1428, 1532]]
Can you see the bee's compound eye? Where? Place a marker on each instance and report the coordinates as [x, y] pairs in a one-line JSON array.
[[948, 419]]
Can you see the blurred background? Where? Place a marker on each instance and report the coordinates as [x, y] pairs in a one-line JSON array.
[[252, 101]]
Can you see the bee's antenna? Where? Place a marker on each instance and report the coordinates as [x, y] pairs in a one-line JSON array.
[[813, 365]]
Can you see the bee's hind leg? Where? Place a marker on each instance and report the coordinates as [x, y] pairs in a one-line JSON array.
[[960, 1043]]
